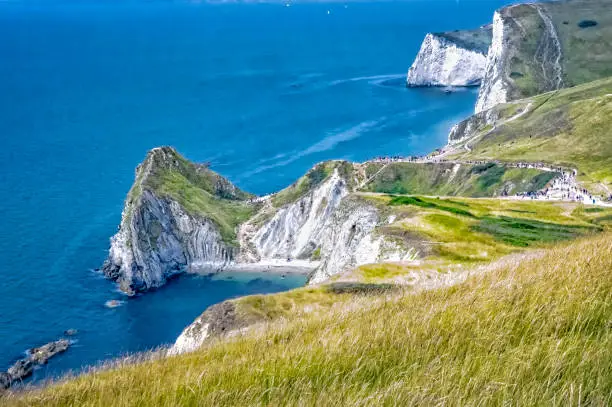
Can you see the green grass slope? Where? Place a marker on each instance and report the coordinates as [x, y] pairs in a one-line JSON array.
[[528, 331], [531, 49], [478, 39], [199, 190], [571, 127], [460, 231], [448, 179]]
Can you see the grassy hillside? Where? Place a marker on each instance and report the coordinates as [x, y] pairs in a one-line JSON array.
[[199, 190], [584, 31], [453, 180], [479, 39], [314, 177], [460, 231], [530, 331], [587, 49], [571, 127]]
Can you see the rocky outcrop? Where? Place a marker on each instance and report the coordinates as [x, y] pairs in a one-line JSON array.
[[296, 229], [352, 241], [35, 357], [158, 237], [451, 59], [472, 125], [217, 320]]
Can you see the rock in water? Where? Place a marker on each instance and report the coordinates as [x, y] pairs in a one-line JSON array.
[[455, 58], [21, 369], [113, 303], [71, 332], [44, 353], [36, 356]]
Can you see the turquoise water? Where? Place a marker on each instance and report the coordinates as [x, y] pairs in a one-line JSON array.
[[262, 92]]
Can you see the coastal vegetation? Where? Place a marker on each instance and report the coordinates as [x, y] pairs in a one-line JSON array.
[[504, 299], [449, 179], [569, 128], [199, 190], [531, 330]]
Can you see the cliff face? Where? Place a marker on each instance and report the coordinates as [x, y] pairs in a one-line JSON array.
[[472, 125], [494, 85], [158, 236], [451, 59], [525, 58], [296, 229], [182, 217]]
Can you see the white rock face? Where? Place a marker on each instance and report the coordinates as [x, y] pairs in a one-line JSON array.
[[295, 231], [326, 219], [441, 62], [494, 89], [351, 242], [159, 239], [190, 339]]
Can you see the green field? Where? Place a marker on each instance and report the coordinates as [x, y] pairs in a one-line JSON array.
[[449, 179]]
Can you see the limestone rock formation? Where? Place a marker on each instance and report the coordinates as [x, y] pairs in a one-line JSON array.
[[451, 59]]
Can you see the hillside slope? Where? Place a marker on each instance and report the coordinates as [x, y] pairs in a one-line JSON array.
[[540, 47], [530, 330], [570, 127]]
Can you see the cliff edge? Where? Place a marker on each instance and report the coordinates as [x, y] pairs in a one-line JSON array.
[[456, 58]]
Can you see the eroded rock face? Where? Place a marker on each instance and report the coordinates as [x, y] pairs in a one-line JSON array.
[[217, 320], [511, 57], [472, 125], [296, 230], [351, 241], [494, 89], [161, 239], [157, 237], [443, 62]]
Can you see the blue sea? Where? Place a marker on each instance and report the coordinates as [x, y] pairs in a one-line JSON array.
[[261, 91]]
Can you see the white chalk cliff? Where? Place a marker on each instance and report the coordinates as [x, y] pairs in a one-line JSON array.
[[324, 229], [442, 62], [494, 88]]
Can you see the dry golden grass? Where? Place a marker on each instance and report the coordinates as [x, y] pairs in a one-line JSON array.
[[530, 332]]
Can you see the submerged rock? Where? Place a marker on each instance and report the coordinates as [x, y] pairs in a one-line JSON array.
[[44, 353], [113, 303], [36, 356]]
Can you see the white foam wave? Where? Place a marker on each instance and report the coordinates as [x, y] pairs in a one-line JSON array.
[[325, 144]]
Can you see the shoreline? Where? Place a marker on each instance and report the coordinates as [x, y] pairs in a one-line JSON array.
[[273, 266]]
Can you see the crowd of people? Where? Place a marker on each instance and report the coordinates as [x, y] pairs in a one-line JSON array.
[[563, 187]]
